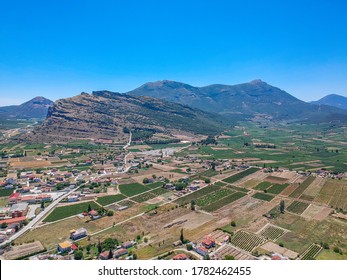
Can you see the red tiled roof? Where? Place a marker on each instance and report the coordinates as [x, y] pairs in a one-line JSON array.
[[180, 257], [74, 247], [13, 220], [14, 195]]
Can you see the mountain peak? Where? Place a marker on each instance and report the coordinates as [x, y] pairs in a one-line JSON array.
[[257, 82]]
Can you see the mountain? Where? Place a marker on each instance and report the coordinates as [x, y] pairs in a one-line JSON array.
[[242, 101], [105, 114], [34, 108], [333, 100]]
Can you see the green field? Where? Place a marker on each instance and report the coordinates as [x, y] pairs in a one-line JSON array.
[[195, 195], [277, 188], [297, 207], [143, 197], [213, 197], [132, 189], [263, 196], [246, 241], [159, 191], [311, 252], [70, 210], [271, 232], [237, 188], [154, 185], [302, 187], [106, 200], [6, 192], [262, 186], [240, 175], [224, 201]]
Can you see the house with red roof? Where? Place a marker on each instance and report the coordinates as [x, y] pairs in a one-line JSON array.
[[208, 242], [180, 257]]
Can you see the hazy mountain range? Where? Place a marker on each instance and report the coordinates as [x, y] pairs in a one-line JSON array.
[[333, 100]]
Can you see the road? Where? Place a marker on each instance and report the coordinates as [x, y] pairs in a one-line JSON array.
[[38, 218]]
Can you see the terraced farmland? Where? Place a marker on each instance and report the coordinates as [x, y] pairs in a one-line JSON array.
[[302, 187], [297, 207], [224, 201], [247, 241], [311, 253], [240, 175], [271, 232]]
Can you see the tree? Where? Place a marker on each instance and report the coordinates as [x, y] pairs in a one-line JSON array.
[[110, 254], [109, 213], [189, 247], [182, 236], [207, 180], [42, 205], [134, 257], [207, 257], [229, 257], [233, 223], [192, 205], [99, 247], [78, 255], [145, 180], [4, 225], [282, 206], [89, 208]]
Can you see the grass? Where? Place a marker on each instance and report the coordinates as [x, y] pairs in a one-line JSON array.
[[237, 189], [330, 255], [213, 197], [263, 196], [240, 175], [70, 210], [106, 200], [132, 189], [143, 197], [224, 201], [159, 191]]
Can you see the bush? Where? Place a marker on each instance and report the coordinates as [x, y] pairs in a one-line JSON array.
[[233, 224], [78, 255]]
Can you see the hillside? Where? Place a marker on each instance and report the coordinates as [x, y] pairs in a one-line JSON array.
[[105, 114], [34, 108], [241, 101], [334, 100]]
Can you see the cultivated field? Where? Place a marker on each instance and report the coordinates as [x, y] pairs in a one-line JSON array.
[[247, 241]]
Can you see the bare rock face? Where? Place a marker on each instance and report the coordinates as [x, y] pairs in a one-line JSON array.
[[105, 114]]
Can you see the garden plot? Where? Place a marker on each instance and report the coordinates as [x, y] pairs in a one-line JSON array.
[[312, 252], [229, 250], [247, 241], [291, 188], [272, 232], [297, 207], [302, 187], [240, 175]]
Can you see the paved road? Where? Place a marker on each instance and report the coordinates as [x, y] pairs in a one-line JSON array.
[[39, 217]]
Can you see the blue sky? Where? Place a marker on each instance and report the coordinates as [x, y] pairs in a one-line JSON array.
[[60, 48]]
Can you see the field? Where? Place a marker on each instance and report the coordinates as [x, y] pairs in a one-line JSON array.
[[70, 210], [237, 188], [247, 241], [5, 192], [311, 252], [277, 188], [195, 195], [224, 201], [25, 250], [302, 187], [154, 185], [132, 189], [297, 207], [213, 197], [228, 250], [143, 197], [240, 175], [271, 232], [106, 200], [263, 186], [159, 191], [263, 196]]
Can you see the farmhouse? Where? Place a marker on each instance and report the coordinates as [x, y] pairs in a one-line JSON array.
[[19, 210], [120, 252], [208, 242], [127, 244], [14, 198], [64, 247], [180, 257], [201, 251], [77, 234]]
